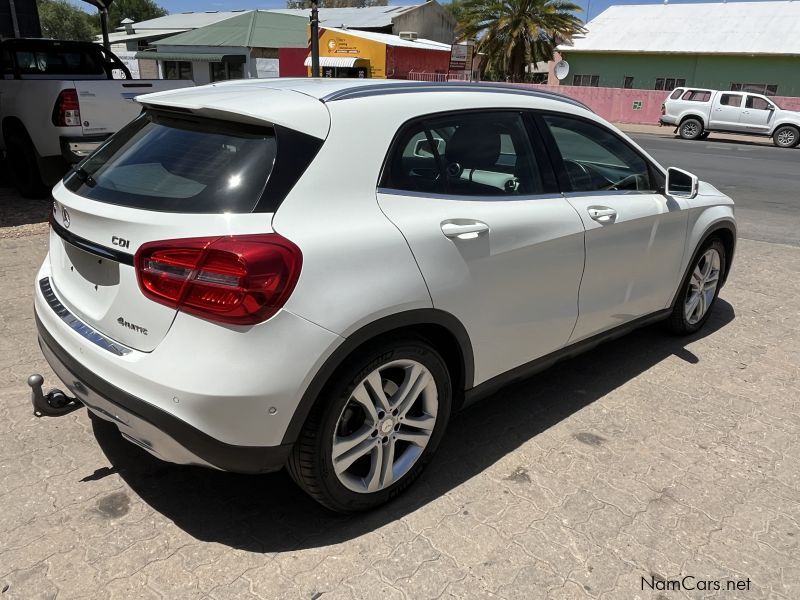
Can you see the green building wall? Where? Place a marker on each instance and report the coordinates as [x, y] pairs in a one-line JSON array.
[[716, 72]]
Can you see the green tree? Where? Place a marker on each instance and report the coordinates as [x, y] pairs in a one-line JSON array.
[[137, 10], [512, 34], [63, 21]]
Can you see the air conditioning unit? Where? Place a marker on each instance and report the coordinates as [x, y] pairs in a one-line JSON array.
[[409, 35]]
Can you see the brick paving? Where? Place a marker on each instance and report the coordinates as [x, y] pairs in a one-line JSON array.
[[650, 457]]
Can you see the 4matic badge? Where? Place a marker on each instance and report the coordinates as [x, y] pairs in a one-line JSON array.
[[131, 326]]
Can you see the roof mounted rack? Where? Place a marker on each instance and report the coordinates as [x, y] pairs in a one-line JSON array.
[[382, 89]]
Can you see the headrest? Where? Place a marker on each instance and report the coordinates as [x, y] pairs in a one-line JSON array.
[[474, 147]]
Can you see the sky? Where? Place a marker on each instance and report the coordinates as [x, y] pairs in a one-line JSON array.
[[591, 8]]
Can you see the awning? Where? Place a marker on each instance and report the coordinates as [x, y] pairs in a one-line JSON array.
[[336, 61], [190, 57]]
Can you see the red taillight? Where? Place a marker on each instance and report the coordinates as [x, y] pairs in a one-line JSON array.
[[243, 279], [663, 109], [66, 112]]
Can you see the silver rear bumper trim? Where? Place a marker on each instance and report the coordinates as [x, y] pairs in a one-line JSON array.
[[76, 324]]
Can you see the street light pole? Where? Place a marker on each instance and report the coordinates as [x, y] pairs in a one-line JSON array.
[[314, 39]]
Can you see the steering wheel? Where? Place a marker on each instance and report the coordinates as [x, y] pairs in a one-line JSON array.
[[579, 175], [623, 182]]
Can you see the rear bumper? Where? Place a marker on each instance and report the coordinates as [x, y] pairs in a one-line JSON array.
[[162, 434], [76, 148], [665, 120]]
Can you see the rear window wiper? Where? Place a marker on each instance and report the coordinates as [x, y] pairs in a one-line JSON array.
[[81, 174]]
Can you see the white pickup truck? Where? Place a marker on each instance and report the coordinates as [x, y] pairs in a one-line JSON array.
[[59, 100], [697, 112]]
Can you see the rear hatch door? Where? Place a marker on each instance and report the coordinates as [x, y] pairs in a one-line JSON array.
[[161, 178]]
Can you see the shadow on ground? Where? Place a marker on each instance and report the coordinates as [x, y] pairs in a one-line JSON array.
[[268, 513], [16, 210]]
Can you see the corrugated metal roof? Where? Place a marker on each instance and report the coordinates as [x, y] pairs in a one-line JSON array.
[[393, 40], [253, 29], [186, 20], [771, 28], [120, 36], [367, 16]]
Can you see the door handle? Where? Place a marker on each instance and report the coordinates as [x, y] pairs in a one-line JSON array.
[[463, 230], [602, 214]]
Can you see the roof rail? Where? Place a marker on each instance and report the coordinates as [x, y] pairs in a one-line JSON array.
[[401, 87]]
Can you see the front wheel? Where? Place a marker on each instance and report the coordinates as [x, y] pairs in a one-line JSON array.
[[375, 426], [699, 291], [786, 136]]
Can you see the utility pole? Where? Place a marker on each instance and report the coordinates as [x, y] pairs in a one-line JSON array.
[[314, 39]]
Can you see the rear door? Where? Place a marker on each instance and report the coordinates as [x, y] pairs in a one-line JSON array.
[[757, 114], [476, 200], [726, 111], [107, 105], [160, 178], [634, 233]]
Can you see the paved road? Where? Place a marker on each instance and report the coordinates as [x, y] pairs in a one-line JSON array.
[[764, 181]]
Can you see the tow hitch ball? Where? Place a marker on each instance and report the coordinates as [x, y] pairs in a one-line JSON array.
[[54, 403]]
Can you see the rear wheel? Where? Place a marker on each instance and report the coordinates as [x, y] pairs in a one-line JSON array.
[[691, 129], [375, 426], [24, 167], [786, 136], [699, 291]]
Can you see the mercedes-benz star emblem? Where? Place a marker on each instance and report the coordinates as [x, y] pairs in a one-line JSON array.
[[65, 217]]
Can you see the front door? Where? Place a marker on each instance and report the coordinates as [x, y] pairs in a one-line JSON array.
[[757, 114], [726, 111], [498, 247], [634, 233]]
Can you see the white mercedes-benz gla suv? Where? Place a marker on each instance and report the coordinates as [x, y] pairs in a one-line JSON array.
[[317, 273]]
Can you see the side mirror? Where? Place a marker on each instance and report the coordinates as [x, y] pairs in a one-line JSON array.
[[681, 183]]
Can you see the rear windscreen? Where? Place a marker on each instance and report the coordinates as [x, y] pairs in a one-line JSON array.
[[59, 61], [177, 164]]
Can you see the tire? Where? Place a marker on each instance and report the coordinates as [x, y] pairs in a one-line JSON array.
[[24, 166], [683, 320], [786, 136], [691, 129], [341, 416]]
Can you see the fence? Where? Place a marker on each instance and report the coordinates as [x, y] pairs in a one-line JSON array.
[[424, 76]]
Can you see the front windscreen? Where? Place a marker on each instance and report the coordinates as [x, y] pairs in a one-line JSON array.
[[179, 164]]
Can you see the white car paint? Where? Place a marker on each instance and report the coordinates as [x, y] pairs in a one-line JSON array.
[[542, 275]]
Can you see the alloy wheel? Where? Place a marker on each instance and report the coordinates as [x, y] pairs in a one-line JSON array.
[[786, 137], [385, 426], [690, 129], [702, 286]]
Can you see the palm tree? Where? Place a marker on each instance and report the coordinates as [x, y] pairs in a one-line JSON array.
[[512, 34]]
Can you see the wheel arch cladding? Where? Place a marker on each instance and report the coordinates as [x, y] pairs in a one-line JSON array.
[[684, 118], [725, 230], [439, 328]]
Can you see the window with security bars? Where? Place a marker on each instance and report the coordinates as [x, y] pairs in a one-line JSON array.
[[669, 83], [756, 88], [586, 80]]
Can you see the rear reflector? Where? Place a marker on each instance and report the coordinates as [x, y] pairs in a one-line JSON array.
[[242, 279]]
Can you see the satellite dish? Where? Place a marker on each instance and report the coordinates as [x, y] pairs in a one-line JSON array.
[[562, 70]]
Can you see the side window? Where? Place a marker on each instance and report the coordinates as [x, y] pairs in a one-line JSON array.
[[731, 100], [757, 103], [597, 160], [474, 154], [674, 95]]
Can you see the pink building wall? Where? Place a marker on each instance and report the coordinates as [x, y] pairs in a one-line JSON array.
[[616, 104]]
